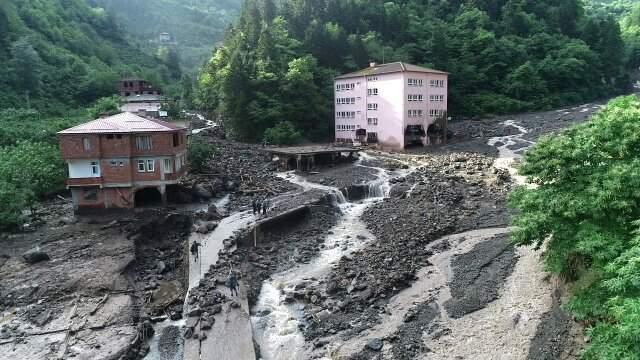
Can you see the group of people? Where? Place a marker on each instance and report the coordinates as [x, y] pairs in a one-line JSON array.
[[260, 206], [232, 279]]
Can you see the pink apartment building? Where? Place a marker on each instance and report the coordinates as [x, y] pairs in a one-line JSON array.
[[393, 105]]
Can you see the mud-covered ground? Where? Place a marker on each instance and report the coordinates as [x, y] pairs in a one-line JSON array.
[[87, 295]]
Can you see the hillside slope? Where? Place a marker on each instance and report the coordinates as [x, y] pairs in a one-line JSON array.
[[195, 25], [60, 54]]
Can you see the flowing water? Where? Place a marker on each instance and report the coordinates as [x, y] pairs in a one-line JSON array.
[[276, 324]]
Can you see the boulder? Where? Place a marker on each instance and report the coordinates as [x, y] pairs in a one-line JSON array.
[[202, 192], [375, 344], [35, 256]]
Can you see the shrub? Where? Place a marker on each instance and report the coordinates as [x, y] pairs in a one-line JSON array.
[[284, 133], [106, 105], [199, 153]]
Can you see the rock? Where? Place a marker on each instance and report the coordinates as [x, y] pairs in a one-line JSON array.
[[196, 311], [42, 318], [213, 213], [202, 192], [202, 229], [35, 256], [162, 267], [212, 225], [234, 304], [375, 344], [206, 324]]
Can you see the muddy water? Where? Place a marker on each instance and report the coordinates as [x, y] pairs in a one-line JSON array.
[[276, 324]]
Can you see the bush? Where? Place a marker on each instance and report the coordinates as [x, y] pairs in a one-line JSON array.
[[12, 203], [282, 134], [586, 206], [28, 171], [106, 105], [199, 153]]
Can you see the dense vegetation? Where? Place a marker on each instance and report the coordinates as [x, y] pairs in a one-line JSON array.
[[277, 63], [63, 54], [585, 208], [195, 26], [30, 164]]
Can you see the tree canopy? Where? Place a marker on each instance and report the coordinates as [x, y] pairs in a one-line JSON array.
[[585, 208], [61, 54], [277, 63]]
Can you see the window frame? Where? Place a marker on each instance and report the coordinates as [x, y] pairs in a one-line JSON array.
[[95, 168], [144, 166], [151, 165], [86, 143]]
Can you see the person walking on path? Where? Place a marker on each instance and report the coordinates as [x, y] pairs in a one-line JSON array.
[[194, 249], [265, 206], [232, 282], [254, 205]]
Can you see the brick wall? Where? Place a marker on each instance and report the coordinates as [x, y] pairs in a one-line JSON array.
[[104, 146], [147, 176], [118, 198], [117, 173], [112, 146], [72, 147], [162, 144]]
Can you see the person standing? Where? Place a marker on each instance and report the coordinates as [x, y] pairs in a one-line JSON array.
[[232, 283], [254, 205], [265, 205]]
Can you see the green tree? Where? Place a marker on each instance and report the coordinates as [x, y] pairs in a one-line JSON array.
[[107, 105], [26, 63], [284, 133], [585, 208], [199, 154]]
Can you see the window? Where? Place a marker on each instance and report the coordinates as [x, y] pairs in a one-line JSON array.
[[113, 163], [151, 165], [436, 98], [372, 78], [372, 121], [372, 92], [414, 82], [436, 83], [414, 113], [414, 97], [167, 166], [141, 166], [176, 139], [86, 144], [144, 142], [90, 193], [109, 136], [95, 169], [372, 137], [436, 112], [120, 163], [372, 107]]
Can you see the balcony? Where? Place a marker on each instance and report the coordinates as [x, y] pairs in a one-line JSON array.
[[92, 181]]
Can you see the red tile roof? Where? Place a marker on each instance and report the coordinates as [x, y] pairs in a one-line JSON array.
[[122, 123]]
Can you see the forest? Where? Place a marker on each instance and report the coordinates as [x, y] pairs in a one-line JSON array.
[[277, 61], [195, 26], [61, 55]]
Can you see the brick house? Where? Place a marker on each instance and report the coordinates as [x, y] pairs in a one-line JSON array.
[[134, 86], [392, 105], [122, 161]]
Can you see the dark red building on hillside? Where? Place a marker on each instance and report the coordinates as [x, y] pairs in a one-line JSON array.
[[133, 86], [122, 161]]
